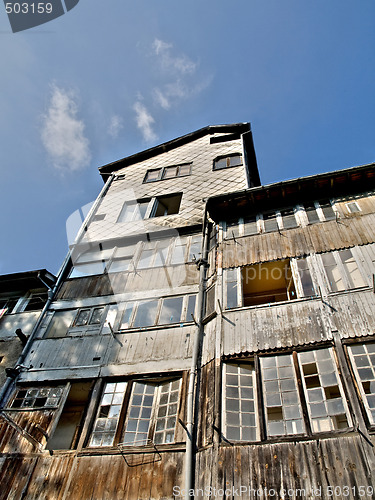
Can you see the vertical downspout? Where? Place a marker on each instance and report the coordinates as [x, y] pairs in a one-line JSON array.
[[51, 294], [190, 427]]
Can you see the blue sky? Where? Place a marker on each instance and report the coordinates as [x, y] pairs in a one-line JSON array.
[[109, 79]]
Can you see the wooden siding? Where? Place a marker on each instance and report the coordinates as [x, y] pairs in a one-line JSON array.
[[315, 238], [129, 349], [345, 461], [307, 465], [276, 326], [11, 438]]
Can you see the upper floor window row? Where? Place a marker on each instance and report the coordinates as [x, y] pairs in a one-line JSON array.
[[140, 255], [17, 302], [122, 316], [288, 279], [233, 160], [289, 218], [147, 208], [159, 174]]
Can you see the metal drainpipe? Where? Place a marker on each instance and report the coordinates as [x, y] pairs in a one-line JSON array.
[[10, 381], [190, 427]]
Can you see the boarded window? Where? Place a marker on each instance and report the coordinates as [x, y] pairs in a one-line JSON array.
[[283, 409], [250, 226], [288, 218], [270, 222], [240, 403], [312, 214], [363, 361], [267, 282]]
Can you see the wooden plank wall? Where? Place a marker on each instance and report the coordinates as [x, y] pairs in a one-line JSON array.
[[345, 461], [12, 441], [127, 348], [295, 323], [131, 477], [315, 238]]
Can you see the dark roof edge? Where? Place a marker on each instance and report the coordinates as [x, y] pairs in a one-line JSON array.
[[280, 184], [105, 170], [29, 275]]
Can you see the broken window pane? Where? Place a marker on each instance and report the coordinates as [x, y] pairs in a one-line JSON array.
[[240, 405], [282, 405], [363, 361], [325, 398], [37, 397], [108, 415]]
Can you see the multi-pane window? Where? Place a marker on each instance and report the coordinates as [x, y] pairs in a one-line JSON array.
[[319, 211], [36, 397], [319, 391], [326, 403], [89, 316], [158, 174], [240, 402], [164, 311], [363, 362], [152, 413], [228, 161], [342, 270], [66, 322], [133, 210], [108, 415], [282, 403], [149, 413]]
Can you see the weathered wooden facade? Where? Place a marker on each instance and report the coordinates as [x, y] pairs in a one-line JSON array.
[[208, 337]]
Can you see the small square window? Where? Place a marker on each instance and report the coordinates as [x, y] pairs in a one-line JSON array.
[[353, 207], [166, 205], [228, 161]]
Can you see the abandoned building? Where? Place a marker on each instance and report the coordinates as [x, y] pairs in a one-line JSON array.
[[206, 336]]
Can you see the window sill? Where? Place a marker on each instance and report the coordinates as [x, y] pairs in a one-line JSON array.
[[132, 450], [273, 304]]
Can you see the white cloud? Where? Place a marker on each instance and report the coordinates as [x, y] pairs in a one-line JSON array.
[[177, 64], [63, 133], [144, 122], [116, 124]]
